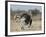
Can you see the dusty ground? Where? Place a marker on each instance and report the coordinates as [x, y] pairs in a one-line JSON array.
[[36, 25]]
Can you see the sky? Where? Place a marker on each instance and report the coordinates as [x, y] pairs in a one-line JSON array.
[[25, 7]]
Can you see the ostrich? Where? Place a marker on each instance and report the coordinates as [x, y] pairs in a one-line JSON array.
[[26, 21]]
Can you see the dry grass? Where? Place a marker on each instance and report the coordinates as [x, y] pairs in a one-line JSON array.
[[36, 25]]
